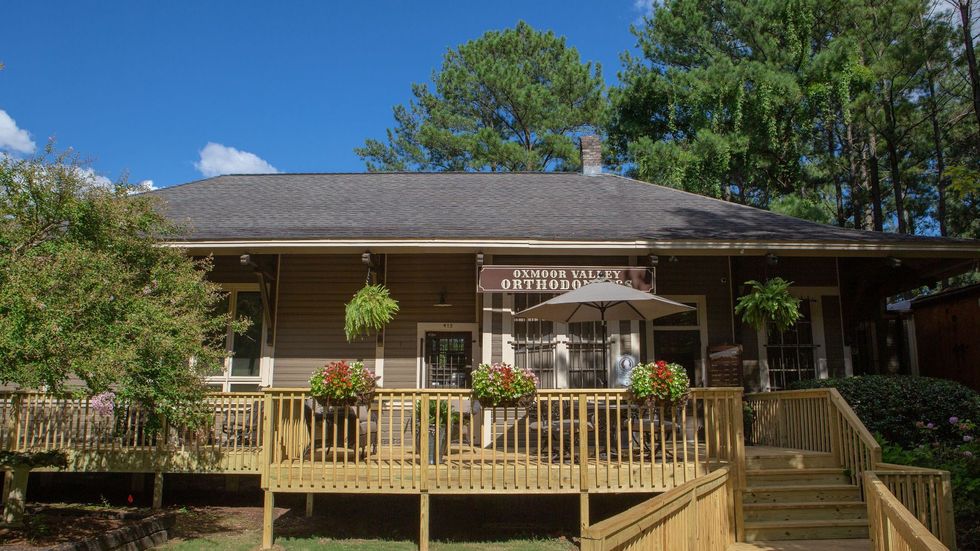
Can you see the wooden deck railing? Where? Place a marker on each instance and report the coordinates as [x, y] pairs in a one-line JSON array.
[[695, 516], [893, 526], [815, 420], [821, 420], [121, 441], [568, 441], [926, 493]]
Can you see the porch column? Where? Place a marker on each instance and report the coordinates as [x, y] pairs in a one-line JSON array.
[[268, 506], [158, 490], [424, 521]]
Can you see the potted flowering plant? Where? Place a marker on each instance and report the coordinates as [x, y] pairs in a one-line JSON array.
[[339, 384], [659, 384], [502, 385]]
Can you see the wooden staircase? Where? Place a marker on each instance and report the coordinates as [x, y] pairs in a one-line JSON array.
[[800, 495]]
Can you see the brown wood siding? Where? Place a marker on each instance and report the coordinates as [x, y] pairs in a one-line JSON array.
[[416, 282], [313, 291], [228, 269], [701, 275], [947, 335]]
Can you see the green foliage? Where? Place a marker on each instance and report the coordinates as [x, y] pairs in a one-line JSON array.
[[892, 406], [781, 105], [769, 302], [661, 381], [440, 409], [502, 384], [47, 458], [87, 294], [509, 100], [371, 309], [342, 383]]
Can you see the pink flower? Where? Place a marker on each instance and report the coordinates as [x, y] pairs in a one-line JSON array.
[[953, 420], [967, 438]]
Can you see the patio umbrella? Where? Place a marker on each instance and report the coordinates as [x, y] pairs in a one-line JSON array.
[[603, 301]]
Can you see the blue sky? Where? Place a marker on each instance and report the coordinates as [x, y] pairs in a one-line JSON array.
[[141, 88]]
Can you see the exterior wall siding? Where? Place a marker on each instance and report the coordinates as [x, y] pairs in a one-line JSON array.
[[416, 282], [312, 292]]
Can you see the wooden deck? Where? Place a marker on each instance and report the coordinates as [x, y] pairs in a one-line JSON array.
[[804, 545]]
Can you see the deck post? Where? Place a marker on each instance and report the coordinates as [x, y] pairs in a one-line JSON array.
[[424, 520], [309, 505], [583, 513], [8, 481], [16, 494], [268, 508], [158, 490], [739, 461]]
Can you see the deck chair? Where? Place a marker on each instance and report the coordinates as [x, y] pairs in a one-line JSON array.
[[559, 425], [361, 428]]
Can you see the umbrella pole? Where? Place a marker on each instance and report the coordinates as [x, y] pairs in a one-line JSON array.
[[605, 344]]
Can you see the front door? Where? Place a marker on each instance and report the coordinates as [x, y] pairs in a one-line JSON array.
[[448, 359]]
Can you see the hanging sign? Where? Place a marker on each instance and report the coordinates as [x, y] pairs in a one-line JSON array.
[[558, 279]]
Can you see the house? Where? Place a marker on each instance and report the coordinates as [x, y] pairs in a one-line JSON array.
[[463, 252]]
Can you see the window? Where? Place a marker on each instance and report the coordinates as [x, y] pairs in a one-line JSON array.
[[790, 354], [535, 341], [585, 347], [448, 359], [243, 369], [679, 338]]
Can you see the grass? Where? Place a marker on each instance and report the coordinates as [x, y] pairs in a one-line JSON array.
[[249, 542]]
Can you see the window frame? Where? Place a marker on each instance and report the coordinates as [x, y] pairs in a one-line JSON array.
[[226, 379], [701, 304]]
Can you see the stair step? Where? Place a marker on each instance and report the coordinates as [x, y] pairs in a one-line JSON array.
[[801, 494], [800, 460], [806, 529], [797, 477], [823, 510]]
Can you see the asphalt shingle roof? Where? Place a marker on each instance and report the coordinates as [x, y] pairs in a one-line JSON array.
[[546, 206]]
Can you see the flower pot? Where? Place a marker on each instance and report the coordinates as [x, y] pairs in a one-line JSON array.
[[434, 459], [523, 402]]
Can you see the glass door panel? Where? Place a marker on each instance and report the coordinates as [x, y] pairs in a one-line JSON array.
[[448, 359]]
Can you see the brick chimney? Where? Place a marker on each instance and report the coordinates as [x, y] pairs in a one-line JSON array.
[[591, 150]]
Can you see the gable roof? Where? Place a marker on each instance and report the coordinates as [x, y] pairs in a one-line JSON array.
[[482, 206]]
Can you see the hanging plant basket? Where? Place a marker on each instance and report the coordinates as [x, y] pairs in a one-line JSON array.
[[660, 385], [502, 385], [369, 311], [342, 384], [769, 302]]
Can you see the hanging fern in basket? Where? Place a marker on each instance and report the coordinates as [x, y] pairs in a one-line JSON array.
[[369, 311], [769, 302]]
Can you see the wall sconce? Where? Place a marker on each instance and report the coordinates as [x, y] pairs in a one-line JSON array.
[[772, 259], [672, 259], [443, 303], [894, 262], [653, 260]]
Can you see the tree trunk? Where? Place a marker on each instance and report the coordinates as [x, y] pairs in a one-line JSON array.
[[876, 211], [971, 56], [893, 162], [856, 178], [937, 144]]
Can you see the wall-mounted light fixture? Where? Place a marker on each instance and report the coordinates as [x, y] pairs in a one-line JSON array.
[[653, 260], [479, 260], [672, 259], [894, 262], [443, 303], [772, 259]]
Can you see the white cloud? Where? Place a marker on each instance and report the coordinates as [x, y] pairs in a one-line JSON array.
[[645, 7], [142, 187], [94, 179], [217, 159], [13, 138]]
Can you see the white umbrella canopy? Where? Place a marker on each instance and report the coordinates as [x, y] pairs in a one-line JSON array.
[[603, 301]]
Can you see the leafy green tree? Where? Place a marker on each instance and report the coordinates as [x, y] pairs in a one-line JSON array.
[[90, 301], [509, 100]]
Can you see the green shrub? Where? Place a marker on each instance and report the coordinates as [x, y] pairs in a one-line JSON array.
[[893, 405]]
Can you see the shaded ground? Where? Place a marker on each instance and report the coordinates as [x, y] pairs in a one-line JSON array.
[[240, 529], [216, 515]]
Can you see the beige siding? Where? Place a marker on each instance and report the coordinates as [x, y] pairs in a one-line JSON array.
[[701, 275], [312, 292], [416, 282], [228, 269]]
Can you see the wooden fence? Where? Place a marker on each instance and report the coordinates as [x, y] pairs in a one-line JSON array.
[[567, 441], [893, 527], [821, 420], [695, 516], [121, 441]]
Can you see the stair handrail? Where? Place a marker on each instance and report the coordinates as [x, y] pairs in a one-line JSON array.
[[852, 442], [892, 525]]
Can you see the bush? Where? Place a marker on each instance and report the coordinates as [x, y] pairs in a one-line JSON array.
[[892, 405]]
